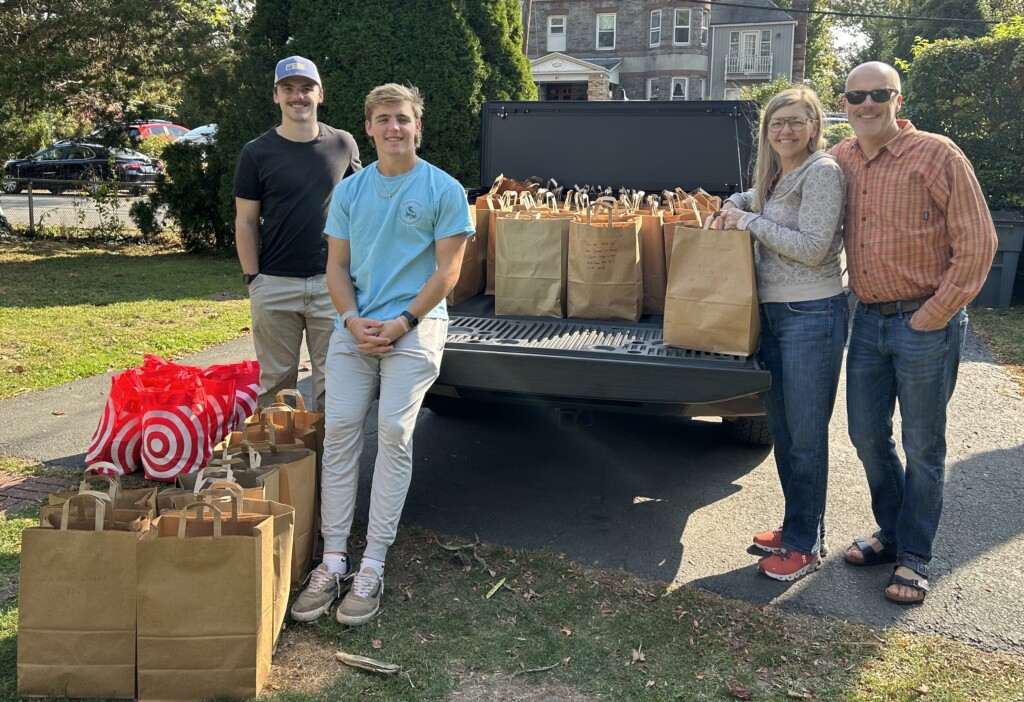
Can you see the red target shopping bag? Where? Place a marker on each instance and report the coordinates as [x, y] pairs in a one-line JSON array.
[[118, 437], [175, 438], [246, 376]]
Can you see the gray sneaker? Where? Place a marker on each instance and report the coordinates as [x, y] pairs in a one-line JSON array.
[[362, 602], [322, 590]]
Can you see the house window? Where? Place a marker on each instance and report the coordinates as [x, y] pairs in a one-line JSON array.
[[681, 34], [556, 33], [606, 31], [705, 25], [766, 42], [679, 86], [703, 89], [652, 88], [655, 27], [734, 44], [732, 93]]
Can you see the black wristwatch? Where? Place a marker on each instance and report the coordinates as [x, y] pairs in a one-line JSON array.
[[246, 278], [412, 319]]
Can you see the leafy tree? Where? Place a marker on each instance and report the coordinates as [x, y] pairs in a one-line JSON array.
[[457, 52], [103, 60], [892, 40], [978, 105], [822, 66]]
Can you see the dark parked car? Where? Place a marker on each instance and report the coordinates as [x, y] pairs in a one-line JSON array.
[[67, 166]]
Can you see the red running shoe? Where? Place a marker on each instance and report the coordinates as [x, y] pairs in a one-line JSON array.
[[789, 565], [771, 542]]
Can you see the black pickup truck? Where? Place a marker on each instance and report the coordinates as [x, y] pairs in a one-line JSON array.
[[581, 365]]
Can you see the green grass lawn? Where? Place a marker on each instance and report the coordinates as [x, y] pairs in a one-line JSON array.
[[71, 310]]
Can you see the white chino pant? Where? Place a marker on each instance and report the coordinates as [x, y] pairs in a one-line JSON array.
[[402, 377]]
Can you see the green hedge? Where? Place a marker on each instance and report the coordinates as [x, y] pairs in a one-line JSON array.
[[972, 90]]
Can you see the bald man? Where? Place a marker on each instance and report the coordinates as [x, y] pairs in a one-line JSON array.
[[919, 244]]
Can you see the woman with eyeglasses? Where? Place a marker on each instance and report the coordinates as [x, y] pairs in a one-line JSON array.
[[795, 213]]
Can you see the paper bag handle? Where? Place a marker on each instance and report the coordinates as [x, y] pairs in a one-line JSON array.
[[255, 459], [270, 429], [300, 402], [90, 476], [100, 498], [605, 202], [233, 491], [289, 423], [199, 507]]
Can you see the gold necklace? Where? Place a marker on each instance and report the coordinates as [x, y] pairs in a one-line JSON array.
[[386, 195]]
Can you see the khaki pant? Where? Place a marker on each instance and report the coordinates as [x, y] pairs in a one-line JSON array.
[[282, 309], [402, 377]]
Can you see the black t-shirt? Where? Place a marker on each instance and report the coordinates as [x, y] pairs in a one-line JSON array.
[[293, 182]]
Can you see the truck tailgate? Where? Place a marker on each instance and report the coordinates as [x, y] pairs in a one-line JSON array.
[[590, 363]]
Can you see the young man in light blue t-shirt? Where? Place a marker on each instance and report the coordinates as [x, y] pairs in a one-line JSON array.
[[396, 234]]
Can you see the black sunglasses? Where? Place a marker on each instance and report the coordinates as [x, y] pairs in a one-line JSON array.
[[856, 97]]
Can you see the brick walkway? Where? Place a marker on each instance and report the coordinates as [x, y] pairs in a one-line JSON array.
[[20, 491]]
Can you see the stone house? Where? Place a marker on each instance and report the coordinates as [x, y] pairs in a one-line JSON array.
[[658, 50]]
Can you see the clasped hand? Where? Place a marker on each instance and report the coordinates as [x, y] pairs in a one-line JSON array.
[[376, 337]]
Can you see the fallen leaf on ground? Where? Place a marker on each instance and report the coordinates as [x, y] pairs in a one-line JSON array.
[[566, 630], [370, 664], [794, 695], [58, 413], [637, 656], [377, 643], [649, 684], [738, 691]]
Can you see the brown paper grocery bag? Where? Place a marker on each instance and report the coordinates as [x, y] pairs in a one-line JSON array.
[[206, 606], [284, 533], [605, 277], [256, 483], [530, 265], [497, 205], [141, 499], [473, 272], [297, 469], [76, 604], [711, 297], [653, 261]]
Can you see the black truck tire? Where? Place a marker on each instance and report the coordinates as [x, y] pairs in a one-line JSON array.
[[750, 430]]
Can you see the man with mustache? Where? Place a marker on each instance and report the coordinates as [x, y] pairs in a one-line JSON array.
[[283, 185]]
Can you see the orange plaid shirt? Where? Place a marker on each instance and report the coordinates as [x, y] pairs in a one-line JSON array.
[[916, 224]]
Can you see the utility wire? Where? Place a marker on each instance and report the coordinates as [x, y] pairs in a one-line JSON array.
[[858, 15]]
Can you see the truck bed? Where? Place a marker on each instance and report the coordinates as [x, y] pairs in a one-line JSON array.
[[591, 364]]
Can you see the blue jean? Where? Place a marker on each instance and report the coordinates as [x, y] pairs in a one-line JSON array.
[[889, 361], [802, 346]]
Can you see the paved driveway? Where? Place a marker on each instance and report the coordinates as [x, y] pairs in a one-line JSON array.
[[673, 501]]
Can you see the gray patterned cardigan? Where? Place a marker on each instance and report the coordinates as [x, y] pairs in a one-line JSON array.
[[798, 238]]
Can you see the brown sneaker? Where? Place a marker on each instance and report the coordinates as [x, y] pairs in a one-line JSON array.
[[789, 565], [362, 602], [321, 591]]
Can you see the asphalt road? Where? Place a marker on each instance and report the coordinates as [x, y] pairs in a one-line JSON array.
[[674, 501], [65, 210]]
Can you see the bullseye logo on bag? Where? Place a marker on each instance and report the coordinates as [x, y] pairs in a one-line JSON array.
[[411, 211], [174, 442]]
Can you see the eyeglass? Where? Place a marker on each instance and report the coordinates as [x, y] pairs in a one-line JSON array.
[[797, 124], [856, 97]]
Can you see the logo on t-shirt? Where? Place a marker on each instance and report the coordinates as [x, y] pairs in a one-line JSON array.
[[411, 211]]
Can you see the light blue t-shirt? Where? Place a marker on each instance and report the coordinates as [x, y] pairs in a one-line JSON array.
[[392, 241]]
